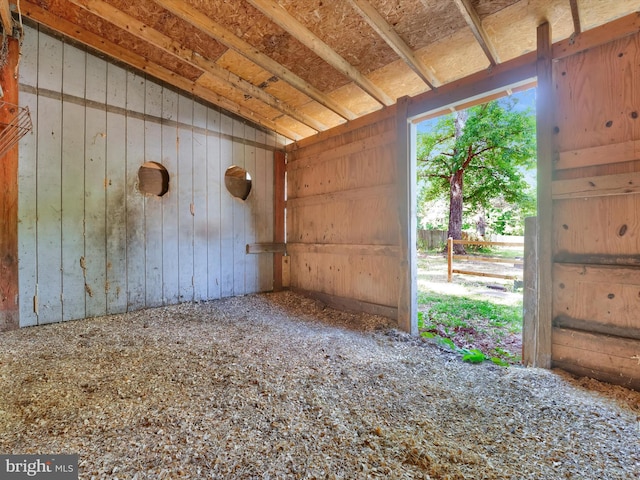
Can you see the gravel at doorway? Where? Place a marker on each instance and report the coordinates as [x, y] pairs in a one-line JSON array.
[[279, 386]]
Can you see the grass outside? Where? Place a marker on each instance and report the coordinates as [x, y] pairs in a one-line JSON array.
[[478, 317]]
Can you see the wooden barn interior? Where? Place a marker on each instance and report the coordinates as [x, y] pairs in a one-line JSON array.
[[317, 101]]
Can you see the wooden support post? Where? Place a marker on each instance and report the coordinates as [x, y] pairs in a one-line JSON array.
[[545, 122], [530, 301], [279, 205], [449, 259], [407, 296], [9, 312]]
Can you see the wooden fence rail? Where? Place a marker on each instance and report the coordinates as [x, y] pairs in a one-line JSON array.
[[451, 257]]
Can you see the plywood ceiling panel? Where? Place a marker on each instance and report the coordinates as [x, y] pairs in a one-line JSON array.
[[316, 63]]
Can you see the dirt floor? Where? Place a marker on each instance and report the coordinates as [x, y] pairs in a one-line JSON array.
[[278, 386]]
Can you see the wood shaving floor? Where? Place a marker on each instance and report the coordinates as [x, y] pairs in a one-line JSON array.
[[278, 386]]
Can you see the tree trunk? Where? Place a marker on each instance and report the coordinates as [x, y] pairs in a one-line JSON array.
[[455, 210], [455, 191]]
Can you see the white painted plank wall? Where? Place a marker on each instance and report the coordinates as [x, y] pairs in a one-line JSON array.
[[89, 242], [116, 222]]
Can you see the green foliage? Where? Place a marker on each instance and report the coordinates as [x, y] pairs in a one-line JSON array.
[[472, 356], [494, 150], [447, 318], [458, 311]]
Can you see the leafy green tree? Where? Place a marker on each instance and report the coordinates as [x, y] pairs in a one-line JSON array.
[[477, 156]]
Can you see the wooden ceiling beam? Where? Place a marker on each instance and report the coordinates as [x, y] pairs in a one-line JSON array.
[[297, 30], [124, 55], [210, 27], [511, 74], [475, 24], [5, 17], [159, 40], [389, 35], [575, 14]]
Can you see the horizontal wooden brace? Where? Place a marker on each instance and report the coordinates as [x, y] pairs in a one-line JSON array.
[[594, 259], [266, 248], [344, 249], [563, 321], [600, 155], [386, 191], [473, 258], [491, 244], [486, 274], [600, 186]]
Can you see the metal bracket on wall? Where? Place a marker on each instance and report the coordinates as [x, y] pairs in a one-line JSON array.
[[18, 125]]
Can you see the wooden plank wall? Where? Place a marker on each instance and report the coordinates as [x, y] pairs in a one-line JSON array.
[[342, 215], [596, 213], [89, 243]]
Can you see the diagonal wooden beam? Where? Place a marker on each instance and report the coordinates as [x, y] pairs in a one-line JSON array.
[[475, 24], [226, 37], [389, 35], [297, 30], [124, 55], [5, 17], [575, 14], [134, 26]]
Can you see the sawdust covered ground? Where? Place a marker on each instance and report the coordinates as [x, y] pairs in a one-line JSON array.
[[278, 386]]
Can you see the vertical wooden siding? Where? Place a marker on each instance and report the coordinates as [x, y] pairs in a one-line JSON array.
[[89, 242], [342, 215], [596, 220]]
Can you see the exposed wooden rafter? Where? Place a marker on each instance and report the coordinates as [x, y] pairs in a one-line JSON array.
[[389, 35], [172, 47], [475, 24], [575, 14], [93, 40], [5, 17], [281, 17], [226, 37]]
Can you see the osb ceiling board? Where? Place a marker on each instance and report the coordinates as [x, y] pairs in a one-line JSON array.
[[520, 21], [299, 86], [454, 57], [253, 27], [156, 17], [596, 12], [420, 22], [484, 8], [323, 114], [355, 99], [338, 25], [122, 38]]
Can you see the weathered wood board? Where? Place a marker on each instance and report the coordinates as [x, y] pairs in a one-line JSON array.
[[73, 191], [90, 243], [135, 201], [596, 213], [27, 185], [152, 203], [214, 191], [200, 240], [342, 214], [116, 233], [606, 357], [170, 272], [49, 183]]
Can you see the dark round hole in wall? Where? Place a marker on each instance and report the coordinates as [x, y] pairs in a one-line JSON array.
[[238, 182], [153, 179]]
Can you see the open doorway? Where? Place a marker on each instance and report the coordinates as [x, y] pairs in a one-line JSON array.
[[476, 183]]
